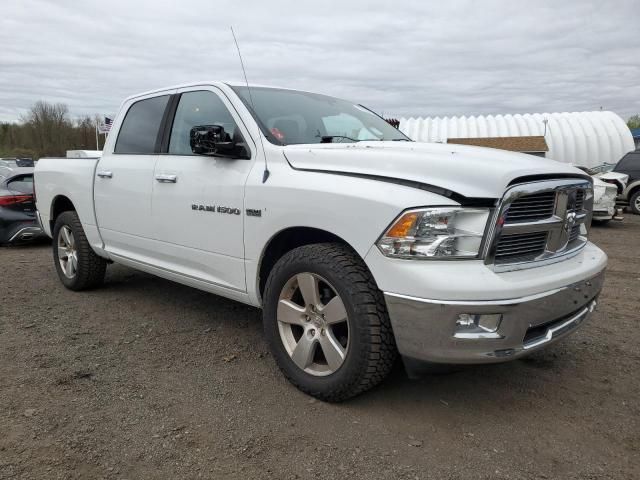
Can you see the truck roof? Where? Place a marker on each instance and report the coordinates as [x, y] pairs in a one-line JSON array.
[[215, 83]]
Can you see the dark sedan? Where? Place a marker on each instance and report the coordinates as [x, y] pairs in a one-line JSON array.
[[18, 222]]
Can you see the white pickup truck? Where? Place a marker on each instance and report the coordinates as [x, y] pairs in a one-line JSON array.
[[357, 243]]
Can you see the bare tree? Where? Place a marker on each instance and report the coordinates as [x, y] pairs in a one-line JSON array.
[[47, 130]]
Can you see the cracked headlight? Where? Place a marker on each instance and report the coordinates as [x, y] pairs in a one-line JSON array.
[[436, 233]]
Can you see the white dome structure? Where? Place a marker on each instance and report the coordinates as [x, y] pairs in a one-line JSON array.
[[581, 138]]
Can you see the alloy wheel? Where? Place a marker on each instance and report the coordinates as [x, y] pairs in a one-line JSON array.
[[313, 324], [67, 253]]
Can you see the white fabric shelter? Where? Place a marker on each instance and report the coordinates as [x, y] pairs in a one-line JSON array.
[[581, 138]]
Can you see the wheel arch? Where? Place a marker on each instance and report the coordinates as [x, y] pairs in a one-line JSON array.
[[286, 240], [630, 188], [633, 188], [59, 204]]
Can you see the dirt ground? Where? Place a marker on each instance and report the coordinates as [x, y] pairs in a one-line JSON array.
[[145, 379]]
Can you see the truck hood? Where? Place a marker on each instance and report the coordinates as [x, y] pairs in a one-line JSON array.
[[471, 172], [623, 178]]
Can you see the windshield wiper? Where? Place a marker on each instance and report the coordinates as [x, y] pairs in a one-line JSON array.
[[401, 140], [329, 138]]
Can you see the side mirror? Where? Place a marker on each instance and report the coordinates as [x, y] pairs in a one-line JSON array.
[[214, 141]]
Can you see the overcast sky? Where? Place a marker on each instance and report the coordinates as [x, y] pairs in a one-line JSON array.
[[419, 58]]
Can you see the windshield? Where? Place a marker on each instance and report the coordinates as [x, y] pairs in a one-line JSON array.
[[289, 117]]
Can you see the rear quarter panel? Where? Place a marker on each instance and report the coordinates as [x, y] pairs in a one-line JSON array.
[[71, 178]]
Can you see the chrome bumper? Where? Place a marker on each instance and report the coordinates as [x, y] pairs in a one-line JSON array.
[[429, 330]]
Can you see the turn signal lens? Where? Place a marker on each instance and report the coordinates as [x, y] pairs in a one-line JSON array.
[[403, 226]]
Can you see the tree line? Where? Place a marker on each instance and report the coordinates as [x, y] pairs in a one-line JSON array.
[[48, 130]]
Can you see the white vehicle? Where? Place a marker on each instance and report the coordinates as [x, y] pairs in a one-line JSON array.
[[84, 153], [606, 188], [604, 201], [357, 243]]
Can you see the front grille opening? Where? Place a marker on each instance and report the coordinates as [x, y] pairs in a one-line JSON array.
[[520, 247], [579, 199], [530, 208], [539, 331], [575, 233]]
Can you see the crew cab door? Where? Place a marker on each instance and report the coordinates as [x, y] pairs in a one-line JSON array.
[[124, 179], [198, 200]]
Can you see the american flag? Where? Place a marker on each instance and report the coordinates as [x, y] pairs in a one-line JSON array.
[[105, 127]]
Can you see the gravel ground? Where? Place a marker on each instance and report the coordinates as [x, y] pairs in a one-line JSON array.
[[145, 378]]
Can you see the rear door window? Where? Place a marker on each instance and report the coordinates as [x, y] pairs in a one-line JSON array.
[[140, 127], [631, 161], [22, 184]]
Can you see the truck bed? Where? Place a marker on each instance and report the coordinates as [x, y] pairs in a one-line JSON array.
[[69, 177]]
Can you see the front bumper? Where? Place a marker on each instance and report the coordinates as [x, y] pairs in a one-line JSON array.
[[610, 213], [427, 330]]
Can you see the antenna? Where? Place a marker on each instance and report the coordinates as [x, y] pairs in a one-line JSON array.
[[266, 173]]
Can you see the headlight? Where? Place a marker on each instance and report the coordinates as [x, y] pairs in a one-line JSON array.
[[436, 233], [611, 192]]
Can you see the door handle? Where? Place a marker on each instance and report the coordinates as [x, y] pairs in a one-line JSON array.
[[163, 178], [105, 174]]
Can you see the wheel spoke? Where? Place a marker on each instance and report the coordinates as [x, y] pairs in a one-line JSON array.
[[334, 353], [66, 237], [289, 312], [74, 263], [68, 268], [334, 311], [303, 353], [308, 285], [62, 253]]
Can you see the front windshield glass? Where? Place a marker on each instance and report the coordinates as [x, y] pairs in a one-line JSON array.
[[289, 117]]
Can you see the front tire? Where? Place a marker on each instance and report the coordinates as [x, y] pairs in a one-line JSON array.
[[78, 266], [326, 322]]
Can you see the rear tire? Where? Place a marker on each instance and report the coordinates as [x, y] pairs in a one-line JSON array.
[[78, 266], [634, 202], [360, 333]]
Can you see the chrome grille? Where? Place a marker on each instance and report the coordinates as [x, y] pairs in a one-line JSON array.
[[540, 221], [520, 246], [536, 206]]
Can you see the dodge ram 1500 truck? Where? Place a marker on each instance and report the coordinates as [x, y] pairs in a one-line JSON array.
[[357, 243]]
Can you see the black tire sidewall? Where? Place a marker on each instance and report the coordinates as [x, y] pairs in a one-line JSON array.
[[358, 348], [71, 220]]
